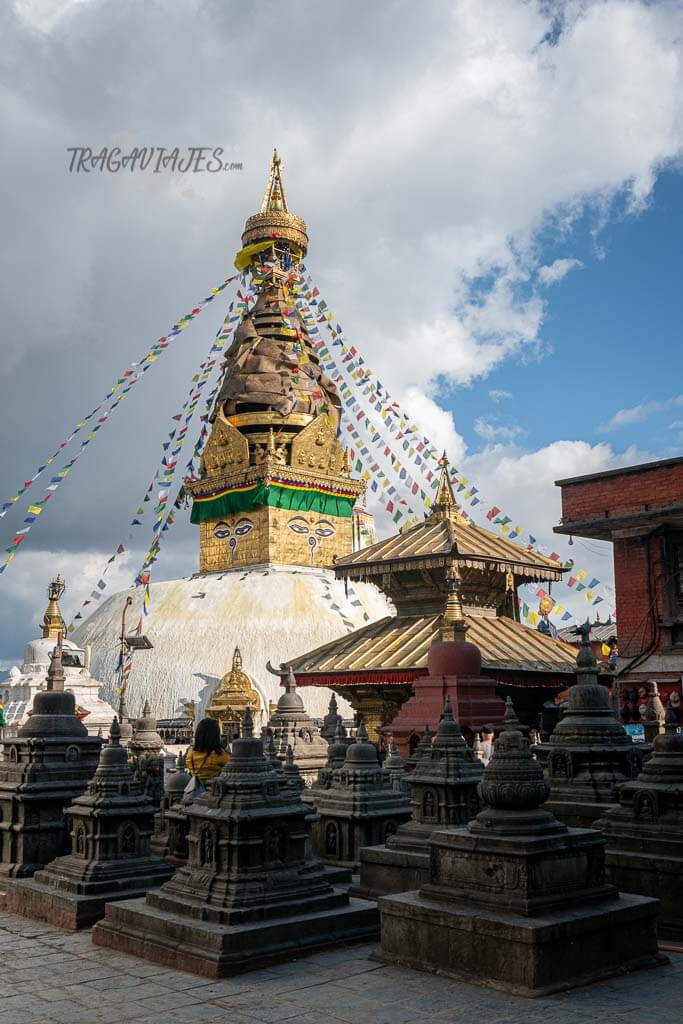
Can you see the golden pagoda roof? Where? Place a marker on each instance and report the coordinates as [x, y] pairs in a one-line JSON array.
[[443, 535], [471, 545], [401, 643]]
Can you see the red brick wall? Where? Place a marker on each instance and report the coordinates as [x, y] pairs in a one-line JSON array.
[[636, 627], [627, 492]]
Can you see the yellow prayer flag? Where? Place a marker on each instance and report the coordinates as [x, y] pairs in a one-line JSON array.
[[34, 510]]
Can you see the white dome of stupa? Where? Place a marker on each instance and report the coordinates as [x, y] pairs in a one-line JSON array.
[[271, 612]]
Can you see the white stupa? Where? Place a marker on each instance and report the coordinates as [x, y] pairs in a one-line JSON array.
[[22, 684], [274, 505]]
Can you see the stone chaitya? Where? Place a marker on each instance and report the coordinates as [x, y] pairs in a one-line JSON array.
[[45, 767], [145, 754], [359, 806], [443, 792], [589, 754], [170, 823], [291, 726], [250, 891], [396, 767], [332, 719], [423, 744], [645, 832], [110, 859], [516, 899]]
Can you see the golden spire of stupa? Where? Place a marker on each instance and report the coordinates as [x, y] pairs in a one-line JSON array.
[[274, 196], [445, 506], [274, 222], [53, 624]]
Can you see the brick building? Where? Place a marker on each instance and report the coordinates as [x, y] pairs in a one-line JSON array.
[[639, 509]]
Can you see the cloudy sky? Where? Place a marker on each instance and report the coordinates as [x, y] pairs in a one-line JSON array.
[[493, 196]]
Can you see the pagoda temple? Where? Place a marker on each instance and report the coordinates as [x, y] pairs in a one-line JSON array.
[[273, 503], [374, 666]]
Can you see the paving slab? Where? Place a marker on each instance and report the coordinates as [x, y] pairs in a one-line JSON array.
[[48, 975]]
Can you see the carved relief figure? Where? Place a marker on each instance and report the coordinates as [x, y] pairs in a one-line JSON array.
[[206, 846], [332, 840], [127, 841]]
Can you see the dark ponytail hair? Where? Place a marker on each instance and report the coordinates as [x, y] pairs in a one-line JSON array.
[[207, 739]]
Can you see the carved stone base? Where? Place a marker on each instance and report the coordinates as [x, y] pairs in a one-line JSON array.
[[68, 910], [384, 870], [524, 955], [651, 874], [213, 951]]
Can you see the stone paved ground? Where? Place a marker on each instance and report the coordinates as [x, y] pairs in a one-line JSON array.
[[47, 975]]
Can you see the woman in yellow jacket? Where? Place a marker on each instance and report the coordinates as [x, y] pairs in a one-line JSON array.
[[206, 756]]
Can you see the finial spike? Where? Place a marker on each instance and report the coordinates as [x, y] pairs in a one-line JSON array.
[[115, 733], [445, 506], [362, 733], [248, 724], [510, 719]]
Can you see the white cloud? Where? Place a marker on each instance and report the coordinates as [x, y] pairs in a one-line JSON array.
[[639, 413], [555, 271], [477, 139], [495, 431], [499, 395]]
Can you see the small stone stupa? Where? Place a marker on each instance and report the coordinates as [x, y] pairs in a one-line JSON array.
[[332, 719], [165, 841], [589, 754], [111, 825], [396, 767], [443, 792], [250, 891], [291, 726], [516, 899], [423, 746], [645, 832], [359, 807], [145, 754], [45, 767]]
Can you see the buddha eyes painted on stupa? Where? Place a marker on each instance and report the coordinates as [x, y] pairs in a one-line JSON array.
[[224, 529], [323, 528]]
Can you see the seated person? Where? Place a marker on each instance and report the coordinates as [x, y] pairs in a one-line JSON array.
[[206, 757]]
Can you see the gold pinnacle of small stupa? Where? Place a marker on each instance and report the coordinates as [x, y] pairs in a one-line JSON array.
[[445, 506], [453, 623], [53, 624]]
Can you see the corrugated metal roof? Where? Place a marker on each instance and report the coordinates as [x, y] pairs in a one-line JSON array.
[[400, 643], [601, 632], [439, 537]]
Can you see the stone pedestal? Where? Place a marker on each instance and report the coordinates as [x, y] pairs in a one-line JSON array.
[[645, 832], [110, 858], [589, 754], [454, 668], [443, 793], [45, 767], [359, 806], [517, 900], [250, 892], [291, 726]]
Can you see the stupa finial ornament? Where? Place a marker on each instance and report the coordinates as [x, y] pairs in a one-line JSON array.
[[248, 724], [453, 624], [514, 787], [55, 673], [445, 506], [53, 624], [510, 719]]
